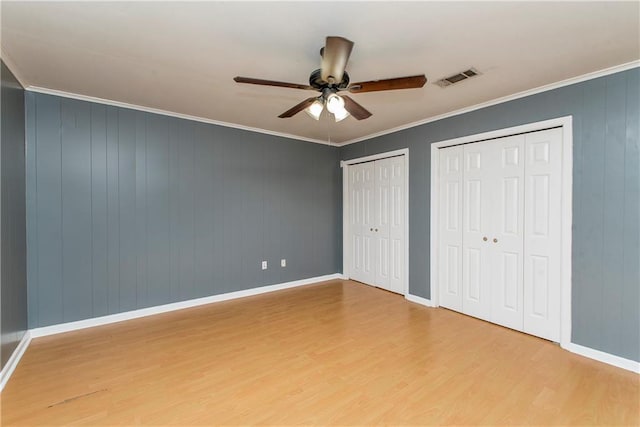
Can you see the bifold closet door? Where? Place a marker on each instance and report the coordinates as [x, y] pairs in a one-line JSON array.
[[361, 222], [500, 231], [450, 231], [543, 234], [506, 234], [377, 220], [389, 223], [492, 233]]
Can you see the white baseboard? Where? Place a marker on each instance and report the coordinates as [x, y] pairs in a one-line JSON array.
[[601, 356], [8, 369], [143, 312], [419, 300]]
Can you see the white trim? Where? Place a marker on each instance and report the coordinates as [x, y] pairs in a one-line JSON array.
[[523, 94], [419, 300], [566, 208], [499, 133], [567, 212], [601, 356], [150, 311], [373, 157], [12, 363], [346, 261], [113, 103]]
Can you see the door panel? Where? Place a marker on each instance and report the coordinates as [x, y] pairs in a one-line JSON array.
[[382, 185], [506, 238], [542, 239], [398, 188], [477, 211], [450, 230], [361, 222]]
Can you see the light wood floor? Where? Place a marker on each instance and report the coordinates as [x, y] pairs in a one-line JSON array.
[[333, 353]]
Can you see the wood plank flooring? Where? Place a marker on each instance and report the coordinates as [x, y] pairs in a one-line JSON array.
[[335, 353]]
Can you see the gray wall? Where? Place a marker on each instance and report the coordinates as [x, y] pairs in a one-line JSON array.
[[13, 248], [606, 202], [127, 209]]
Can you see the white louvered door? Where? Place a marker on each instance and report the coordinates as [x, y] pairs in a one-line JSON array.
[[499, 253]]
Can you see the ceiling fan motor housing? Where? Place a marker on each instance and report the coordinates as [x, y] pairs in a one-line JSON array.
[[315, 80]]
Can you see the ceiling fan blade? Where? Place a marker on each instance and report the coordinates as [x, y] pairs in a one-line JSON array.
[[411, 82], [297, 108], [355, 109], [271, 83], [335, 55]]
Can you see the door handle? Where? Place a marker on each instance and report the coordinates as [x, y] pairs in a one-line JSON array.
[[495, 240], [485, 238], [376, 229], [371, 229]]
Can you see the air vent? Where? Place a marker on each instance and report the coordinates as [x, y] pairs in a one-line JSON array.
[[457, 78]]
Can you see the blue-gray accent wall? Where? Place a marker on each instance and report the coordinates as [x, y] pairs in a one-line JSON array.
[[13, 248], [606, 197], [128, 209]]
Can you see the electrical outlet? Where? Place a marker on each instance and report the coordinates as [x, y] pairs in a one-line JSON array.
[[264, 265], [283, 262]]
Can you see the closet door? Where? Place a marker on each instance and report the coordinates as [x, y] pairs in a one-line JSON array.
[[479, 178], [450, 228], [389, 223], [510, 234], [377, 192], [382, 210], [361, 198], [542, 255], [396, 224], [506, 234]]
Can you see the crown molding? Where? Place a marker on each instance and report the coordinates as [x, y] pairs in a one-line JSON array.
[[523, 94], [113, 103], [545, 88]]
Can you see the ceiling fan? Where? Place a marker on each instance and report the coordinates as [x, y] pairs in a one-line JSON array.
[[332, 78]]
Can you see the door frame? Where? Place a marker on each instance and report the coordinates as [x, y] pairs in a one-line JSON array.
[[346, 244], [566, 124]]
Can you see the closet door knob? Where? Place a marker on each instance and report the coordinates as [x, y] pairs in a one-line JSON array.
[[495, 240], [376, 229], [371, 229], [485, 238]]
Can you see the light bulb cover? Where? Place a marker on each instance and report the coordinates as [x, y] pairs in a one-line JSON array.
[[341, 114], [314, 110], [335, 103]]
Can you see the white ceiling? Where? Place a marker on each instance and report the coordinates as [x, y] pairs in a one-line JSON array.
[[182, 57]]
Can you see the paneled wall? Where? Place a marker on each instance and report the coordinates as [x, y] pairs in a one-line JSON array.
[[606, 197], [13, 250], [127, 209]]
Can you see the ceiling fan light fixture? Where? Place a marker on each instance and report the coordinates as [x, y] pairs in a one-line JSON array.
[[341, 115], [335, 103], [314, 110]]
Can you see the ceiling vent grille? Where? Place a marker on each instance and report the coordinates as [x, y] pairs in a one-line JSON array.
[[457, 78]]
